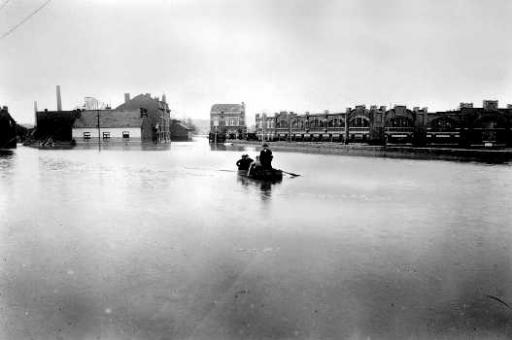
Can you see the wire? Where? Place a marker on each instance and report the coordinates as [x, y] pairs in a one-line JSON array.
[[12, 29], [3, 5]]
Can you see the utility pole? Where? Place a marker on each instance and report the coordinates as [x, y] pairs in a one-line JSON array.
[[99, 138], [347, 117]]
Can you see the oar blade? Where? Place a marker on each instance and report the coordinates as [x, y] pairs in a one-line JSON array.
[[290, 173]]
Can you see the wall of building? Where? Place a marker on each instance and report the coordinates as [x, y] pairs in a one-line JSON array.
[[180, 132], [7, 129], [228, 119], [467, 126], [55, 124], [158, 115], [116, 135]]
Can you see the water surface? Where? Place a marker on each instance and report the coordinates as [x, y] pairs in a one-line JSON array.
[[158, 243]]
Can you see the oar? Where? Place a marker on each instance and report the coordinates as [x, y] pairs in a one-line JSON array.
[[290, 173], [499, 300]]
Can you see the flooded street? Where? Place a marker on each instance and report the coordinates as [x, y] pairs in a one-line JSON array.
[[163, 244]]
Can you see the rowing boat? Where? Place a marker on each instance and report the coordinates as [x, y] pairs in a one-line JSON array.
[[263, 174]]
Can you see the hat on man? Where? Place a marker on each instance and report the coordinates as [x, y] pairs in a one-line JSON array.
[[265, 145]]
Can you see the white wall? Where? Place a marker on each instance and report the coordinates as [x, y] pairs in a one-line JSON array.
[[78, 134]]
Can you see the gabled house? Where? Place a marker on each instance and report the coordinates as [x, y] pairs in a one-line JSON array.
[[180, 131], [157, 112]]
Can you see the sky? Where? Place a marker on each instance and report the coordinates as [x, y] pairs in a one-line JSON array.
[[274, 55]]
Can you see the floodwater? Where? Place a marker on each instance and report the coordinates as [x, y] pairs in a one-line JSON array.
[[163, 244]]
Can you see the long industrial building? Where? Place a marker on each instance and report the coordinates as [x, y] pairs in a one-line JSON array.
[[467, 126]]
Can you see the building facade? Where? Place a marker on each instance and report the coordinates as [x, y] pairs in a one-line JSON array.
[[109, 126], [157, 112], [142, 118], [488, 126], [7, 129], [180, 131], [227, 121]]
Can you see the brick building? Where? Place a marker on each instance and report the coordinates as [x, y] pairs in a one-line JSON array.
[[488, 126], [228, 120], [158, 115]]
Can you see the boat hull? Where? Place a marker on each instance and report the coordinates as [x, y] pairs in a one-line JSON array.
[[263, 174]]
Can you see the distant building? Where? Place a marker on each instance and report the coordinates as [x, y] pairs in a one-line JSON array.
[[228, 120], [91, 103], [468, 126], [180, 131], [142, 118], [7, 129]]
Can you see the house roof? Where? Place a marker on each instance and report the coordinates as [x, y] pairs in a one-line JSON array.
[[183, 126], [227, 108], [108, 119], [145, 101]]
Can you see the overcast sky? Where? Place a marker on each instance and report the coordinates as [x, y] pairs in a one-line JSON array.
[[272, 54]]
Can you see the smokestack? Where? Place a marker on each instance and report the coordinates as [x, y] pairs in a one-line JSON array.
[[126, 97], [35, 105], [59, 102]]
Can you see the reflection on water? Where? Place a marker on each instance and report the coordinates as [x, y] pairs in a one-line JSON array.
[[264, 186], [127, 146], [227, 147], [6, 153], [6, 161], [170, 242]]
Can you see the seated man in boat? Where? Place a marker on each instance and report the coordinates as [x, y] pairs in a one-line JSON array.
[[254, 166], [244, 162], [266, 157]]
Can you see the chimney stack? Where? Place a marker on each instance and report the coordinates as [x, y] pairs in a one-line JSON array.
[[126, 97], [35, 105], [490, 105], [164, 98], [59, 102]]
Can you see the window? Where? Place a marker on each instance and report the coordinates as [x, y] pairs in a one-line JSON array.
[[106, 135], [360, 122], [87, 135], [126, 134]]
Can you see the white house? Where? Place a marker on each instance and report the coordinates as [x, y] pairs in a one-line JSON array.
[[114, 126]]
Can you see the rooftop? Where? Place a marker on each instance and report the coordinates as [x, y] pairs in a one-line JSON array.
[[227, 108], [108, 119]]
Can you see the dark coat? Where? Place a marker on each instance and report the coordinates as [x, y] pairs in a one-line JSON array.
[[266, 158], [243, 164]]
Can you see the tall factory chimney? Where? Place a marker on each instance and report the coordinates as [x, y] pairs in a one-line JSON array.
[[59, 102]]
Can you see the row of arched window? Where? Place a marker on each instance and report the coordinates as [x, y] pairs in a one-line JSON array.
[[443, 123]]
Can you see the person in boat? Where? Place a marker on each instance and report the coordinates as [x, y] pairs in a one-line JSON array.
[[244, 162], [254, 166], [266, 157]]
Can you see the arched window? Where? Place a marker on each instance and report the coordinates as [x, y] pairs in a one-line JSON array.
[[443, 123], [360, 122], [401, 122]]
